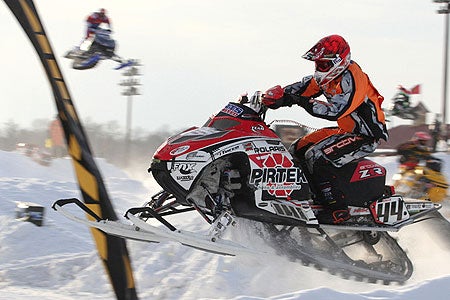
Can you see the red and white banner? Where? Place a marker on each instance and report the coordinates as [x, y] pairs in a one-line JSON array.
[[414, 90]]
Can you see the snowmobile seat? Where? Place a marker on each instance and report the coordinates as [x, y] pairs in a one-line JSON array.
[[361, 181]]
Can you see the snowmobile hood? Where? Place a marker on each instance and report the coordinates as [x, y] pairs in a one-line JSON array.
[[234, 122]]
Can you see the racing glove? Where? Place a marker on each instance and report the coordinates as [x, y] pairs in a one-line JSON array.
[[273, 97], [276, 97]]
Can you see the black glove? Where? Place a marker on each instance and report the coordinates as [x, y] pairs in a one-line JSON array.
[[299, 100]]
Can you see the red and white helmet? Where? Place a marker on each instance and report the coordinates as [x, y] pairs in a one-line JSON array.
[[331, 55], [421, 136]]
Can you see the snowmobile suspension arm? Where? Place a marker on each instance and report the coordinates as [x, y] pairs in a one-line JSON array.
[[205, 217], [149, 211]]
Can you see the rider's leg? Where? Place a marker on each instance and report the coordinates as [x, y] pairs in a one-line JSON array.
[[323, 159], [303, 144]]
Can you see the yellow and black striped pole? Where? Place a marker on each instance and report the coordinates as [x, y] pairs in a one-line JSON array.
[[112, 250]]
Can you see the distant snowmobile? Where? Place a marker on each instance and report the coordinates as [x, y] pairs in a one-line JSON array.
[[235, 171], [408, 113], [97, 47], [401, 107]]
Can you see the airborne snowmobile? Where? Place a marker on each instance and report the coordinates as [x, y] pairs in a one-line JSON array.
[[235, 173], [401, 107], [95, 48]]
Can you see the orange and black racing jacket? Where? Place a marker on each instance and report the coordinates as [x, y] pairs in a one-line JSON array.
[[352, 101]]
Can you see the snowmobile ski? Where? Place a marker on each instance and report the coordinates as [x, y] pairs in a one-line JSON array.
[[111, 227], [142, 231], [125, 64], [93, 60]]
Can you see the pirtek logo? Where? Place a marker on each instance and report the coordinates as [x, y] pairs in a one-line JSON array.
[[341, 144]]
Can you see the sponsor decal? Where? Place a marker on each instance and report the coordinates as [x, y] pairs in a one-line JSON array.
[[227, 150], [185, 178], [184, 168], [390, 211], [257, 128], [367, 169], [195, 155], [248, 146], [337, 60], [342, 143], [265, 149], [232, 110], [179, 150], [276, 174]]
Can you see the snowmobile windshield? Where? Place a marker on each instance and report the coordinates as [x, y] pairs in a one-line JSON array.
[[223, 124]]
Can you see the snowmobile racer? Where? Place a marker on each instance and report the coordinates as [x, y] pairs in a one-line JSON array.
[[419, 174], [401, 106], [94, 20], [414, 150], [352, 101], [98, 45]]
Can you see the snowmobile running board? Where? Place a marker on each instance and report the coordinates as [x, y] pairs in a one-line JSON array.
[[415, 218], [142, 231], [154, 234]]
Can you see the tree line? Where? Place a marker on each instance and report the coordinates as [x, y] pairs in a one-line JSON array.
[[106, 141]]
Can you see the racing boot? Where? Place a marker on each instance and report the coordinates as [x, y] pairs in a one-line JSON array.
[[335, 209], [298, 156]]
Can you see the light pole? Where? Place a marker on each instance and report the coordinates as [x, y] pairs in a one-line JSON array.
[[130, 82], [445, 9]]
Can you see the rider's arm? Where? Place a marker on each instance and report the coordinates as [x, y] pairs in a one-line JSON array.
[[295, 93], [108, 21], [340, 104], [302, 92], [90, 19]]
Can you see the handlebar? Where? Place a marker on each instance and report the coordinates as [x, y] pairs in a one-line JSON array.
[[255, 103]]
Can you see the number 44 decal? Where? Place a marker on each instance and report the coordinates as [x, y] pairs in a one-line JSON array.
[[389, 211]]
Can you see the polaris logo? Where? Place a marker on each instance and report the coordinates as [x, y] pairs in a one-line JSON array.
[[342, 144], [265, 149]]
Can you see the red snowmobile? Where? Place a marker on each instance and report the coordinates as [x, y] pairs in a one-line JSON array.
[[236, 173]]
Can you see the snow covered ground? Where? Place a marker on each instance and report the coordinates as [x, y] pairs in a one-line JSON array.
[[59, 260]]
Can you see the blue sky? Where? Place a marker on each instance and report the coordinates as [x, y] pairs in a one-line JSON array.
[[199, 54]]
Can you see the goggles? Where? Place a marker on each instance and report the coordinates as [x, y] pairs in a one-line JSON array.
[[323, 65]]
